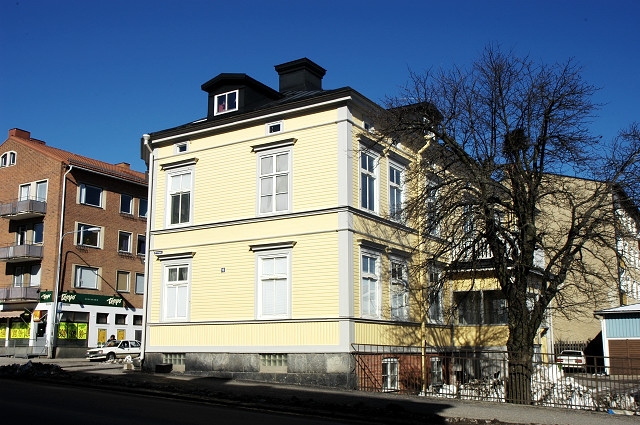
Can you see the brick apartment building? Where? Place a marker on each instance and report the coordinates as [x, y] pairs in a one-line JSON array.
[[74, 220]]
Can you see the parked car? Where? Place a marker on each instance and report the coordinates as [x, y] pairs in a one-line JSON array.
[[572, 359], [115, 349]]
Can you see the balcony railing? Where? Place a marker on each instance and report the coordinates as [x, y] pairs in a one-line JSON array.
[[19, 293], [23, 209], [19, 253]]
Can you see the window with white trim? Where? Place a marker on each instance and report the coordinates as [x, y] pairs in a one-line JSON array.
[[390, 374], [274, 181], [41, 190], [226, 102], [88, 235], [436, 308], [122, 281], [36, 272], [433, 225], [86, 277], [143, 207], [274, 127], [90, 195], [141, 246], [139, 289], [176, 291], [399, 291], [181, 147], [25, 192], [370, 291], [396, 175], [368, 181], [179, 189], [124, 242], [273, 284], [126, 204], [8, 159]]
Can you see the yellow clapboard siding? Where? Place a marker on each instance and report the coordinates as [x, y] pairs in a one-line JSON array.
[[387, 334], [246, 334], [481, 336]]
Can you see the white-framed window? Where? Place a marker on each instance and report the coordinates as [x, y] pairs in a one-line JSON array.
[[41, 190], [399, 291], [274, 181], [21, 235], [86, 277], [436, 307], [226, 102], [176, 291], [139, 289], [274, 127], [273, 284], [368, 181], [122, 281], [126, 204], [124, 242], [88, 235], [90, 195], [396, 178], [179, 199], [36, 272], [370, 290], [390, 374], [141, 245], [181, 147], [8, 159], [433, 226], [25, 192], [143, 207]]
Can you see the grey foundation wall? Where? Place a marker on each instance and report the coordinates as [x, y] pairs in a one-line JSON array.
[[316, 369]]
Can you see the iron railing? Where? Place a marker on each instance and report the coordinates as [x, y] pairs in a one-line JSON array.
[[23, 348], [602, 384]]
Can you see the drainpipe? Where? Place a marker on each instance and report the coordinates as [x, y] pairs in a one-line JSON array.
[[54, 310], [147, 263]]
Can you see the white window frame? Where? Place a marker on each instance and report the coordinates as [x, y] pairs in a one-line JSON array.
[[76, 277], [181, 147], [82, 195], [8, 159], [369, 277], [128, 274], [435, 314], [399, 290], [177, 264], [129, 236], [269, 128], [217, 98], [273, 176], [390, 374], [169, 207], [262, 277], [129, 210], [431, 206], [79, 239], [397, 214], [139, 290], [369, 174], [39, 184], [144, 245], [35, 278], [24, 192]]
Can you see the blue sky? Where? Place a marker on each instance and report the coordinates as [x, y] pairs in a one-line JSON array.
[[93, 76]]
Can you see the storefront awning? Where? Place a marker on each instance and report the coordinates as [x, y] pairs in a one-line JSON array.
[[5, 314]]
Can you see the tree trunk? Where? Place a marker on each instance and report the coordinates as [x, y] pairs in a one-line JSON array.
[[520, 352]]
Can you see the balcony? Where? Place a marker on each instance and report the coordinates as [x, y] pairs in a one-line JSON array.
[[29, 293], [23, 209], [20, 253]]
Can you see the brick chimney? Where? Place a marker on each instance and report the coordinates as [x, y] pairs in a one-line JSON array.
[[124, 165], [16, 132], [300, 75]]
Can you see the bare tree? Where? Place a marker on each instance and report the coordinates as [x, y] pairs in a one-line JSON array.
[[509, 179]]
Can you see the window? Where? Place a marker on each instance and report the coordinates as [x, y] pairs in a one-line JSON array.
[[102, 318], [121, 319], [399, 291], [274, 182], [370, 286], [433, 226], [368, 189], [137, 320], [38, 232], [139, 283], [35, 275], [274, 127], [395, 192], [436, 314], [143, 207], [481, 307], [7, 159], [88, 235], [176, 292], [124, 242], [273, 363], [21, 235], [390, 368], [126, 204], [273, 284], [86, 277], [181, 147], [18, 276], [141, 246], [122, 281], [180, 197], [41, 191], [226, 102], [25, 190], [90, 195]]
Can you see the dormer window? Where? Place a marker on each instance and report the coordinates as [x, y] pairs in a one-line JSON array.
[[226, 102]]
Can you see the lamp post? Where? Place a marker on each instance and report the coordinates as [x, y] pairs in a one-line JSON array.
[[54, 310]]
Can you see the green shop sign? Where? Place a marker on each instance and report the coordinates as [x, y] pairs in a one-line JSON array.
[[89, 299]]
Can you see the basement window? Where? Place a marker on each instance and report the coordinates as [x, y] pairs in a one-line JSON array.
[[173, 358], [273, 363], [226, 102]]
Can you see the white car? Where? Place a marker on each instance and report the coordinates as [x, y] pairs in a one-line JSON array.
[[572, 359], [115, 349]]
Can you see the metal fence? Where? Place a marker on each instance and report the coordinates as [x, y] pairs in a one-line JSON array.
[[24, 348], [482, 375]]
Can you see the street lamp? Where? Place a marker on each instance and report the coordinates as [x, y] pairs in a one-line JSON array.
[[54, 312]]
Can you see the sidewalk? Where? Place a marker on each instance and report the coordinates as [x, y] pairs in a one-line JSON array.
[[347, 404]]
